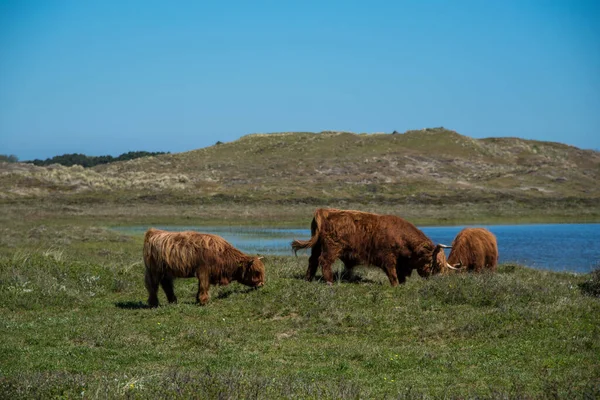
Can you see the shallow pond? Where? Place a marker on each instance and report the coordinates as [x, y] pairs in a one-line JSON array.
[[558, 247]]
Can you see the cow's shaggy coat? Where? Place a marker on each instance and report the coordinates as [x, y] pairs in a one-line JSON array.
[[210, 258], [474, 249], [355, 237]]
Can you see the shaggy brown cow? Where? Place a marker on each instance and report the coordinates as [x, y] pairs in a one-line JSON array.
[[386, 241], [474, 249], [210, 258]]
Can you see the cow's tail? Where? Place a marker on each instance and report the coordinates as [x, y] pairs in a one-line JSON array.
[[314, 232], [304, 244], [148, 246]]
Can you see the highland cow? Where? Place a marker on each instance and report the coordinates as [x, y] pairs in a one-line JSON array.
[[474, 249], [385, 241], [210, 258]]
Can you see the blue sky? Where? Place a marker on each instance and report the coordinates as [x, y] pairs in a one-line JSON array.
[[107, 77]]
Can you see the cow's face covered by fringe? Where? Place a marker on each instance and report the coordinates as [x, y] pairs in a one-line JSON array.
[[438, 264], [253, 272]]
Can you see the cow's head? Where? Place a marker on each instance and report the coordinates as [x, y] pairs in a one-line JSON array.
[[438, 264], [253, 272]]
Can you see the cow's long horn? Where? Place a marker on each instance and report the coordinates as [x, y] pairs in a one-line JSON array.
[[443, 246], [456, 267], [451, 267]]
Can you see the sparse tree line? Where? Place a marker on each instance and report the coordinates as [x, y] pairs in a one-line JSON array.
[[83, 160], [8, 158]]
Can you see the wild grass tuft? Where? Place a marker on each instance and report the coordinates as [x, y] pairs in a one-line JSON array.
[[48, 278]]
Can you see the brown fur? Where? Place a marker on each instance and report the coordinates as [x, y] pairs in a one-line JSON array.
[[355, 237], [210, 258], [476, 249]]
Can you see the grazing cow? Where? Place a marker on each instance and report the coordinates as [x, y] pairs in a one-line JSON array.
[[386, 241], [474, 249], [210, 258]]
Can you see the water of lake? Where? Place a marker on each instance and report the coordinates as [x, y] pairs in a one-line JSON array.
[[557, 247]]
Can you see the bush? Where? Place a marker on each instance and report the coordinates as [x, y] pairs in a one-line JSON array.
[[591, 287], [69, 160]]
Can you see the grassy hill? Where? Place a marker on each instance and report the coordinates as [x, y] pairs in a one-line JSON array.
[[432, 167]]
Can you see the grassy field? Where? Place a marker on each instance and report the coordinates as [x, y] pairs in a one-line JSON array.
[[74, 322]]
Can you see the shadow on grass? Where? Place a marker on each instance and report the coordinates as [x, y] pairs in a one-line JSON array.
[[223, 294], [338, 276], [131, 305], [591, 287], [139, 305]]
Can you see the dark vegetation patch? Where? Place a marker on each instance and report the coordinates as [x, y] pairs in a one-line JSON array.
[[91, 161], [591, 286]]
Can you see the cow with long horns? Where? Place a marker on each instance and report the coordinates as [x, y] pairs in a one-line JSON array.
[[385, 241]]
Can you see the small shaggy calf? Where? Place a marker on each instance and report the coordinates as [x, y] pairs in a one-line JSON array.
[[474, 249], [210, 258]]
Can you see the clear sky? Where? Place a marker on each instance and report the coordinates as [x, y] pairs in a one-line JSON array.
[[107, 77]]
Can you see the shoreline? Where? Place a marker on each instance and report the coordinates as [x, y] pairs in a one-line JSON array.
[[297, 216]]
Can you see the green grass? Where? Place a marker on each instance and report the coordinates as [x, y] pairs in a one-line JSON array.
[[74, 324]]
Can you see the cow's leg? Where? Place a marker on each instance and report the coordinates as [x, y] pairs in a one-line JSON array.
[[490, 263], [151, 283], [326, 260], [203, 286], [224, 281], [404, 269], [402, 272], [349, 264], [313, 261], [389, 266], [167, 285]]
